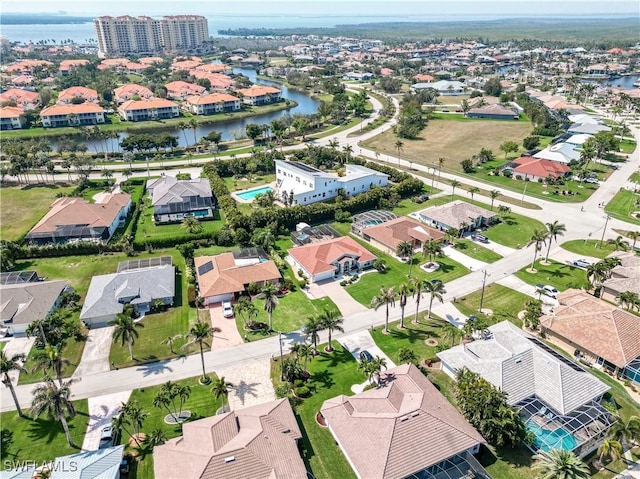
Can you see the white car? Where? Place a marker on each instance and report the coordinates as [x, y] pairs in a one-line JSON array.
[[227, 309]]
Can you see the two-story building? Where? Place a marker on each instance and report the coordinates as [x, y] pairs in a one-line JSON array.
[[25, 99], [260, 95], [11, 118], [180, 90], [70, 95], [214, 103], [132, 91], [71, 115], [152, 109]]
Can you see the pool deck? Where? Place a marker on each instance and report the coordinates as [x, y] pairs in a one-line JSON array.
[[239, 199]]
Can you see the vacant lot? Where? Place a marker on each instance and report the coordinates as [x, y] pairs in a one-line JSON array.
[[453, 139], [22, 208]]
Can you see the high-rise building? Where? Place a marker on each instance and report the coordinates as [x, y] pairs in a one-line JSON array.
[[126, 34]]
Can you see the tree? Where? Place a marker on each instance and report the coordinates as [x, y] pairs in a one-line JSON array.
[[473, 190], [269, 294], [628, 299], [493, 194], [406, 355], [131, 415], [399, 144], [373, 368], [403, 293], [533, 311], [172, 396], [220, 389], [508, 147], [405, 250], [619, 243], [264, 238], [450, 333], [245, 309], [311, 329], [191, 225], [198, 334], [331, 320], [50, 358], [626, 432], [609, 448], [554, 230], [387, 298], [418, 287], [531, 142], [155, 438], [635, 236], [170, 341], [538, 238], [493, 87], [125, 331], [454, 185], [464, 104], [9, 364], [559, 464], [432, 249], [467, 165], [55, 402], [435, 289], [253, 131]]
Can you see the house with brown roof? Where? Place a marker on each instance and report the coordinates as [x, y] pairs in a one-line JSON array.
[[260, 94], [528, 167], [257, 442], [624, 277], [328, 259], [25, 99], [225, 276], [132, 91], [596, 331], [387, 236], [71, 115], [11, 118], [213, 103], [149, 109], [403, 428], [70, 94], [75, 219], [180, 90], [457, 214]]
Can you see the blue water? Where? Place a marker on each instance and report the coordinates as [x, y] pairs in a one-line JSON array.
[[251, 194], [547, 439]]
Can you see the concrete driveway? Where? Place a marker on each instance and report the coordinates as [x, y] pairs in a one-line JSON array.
[[449, 312], [95, 355], [357, 342], [467, 261], [18, 346], [346, 304], [101, 410], [228, 336]]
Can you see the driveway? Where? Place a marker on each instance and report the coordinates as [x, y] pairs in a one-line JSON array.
[[251, 383], [449, 312], [95, 355], [357, 342], [18, 346], [463, 259], [101, 410], [513, 282], [346, 304], [567, 257], [228, 336]]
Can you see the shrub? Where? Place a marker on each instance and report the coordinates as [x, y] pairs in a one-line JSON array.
[[303, 392], [282, 390], [191, 295], [343, 282], [302, 283], [518, 177], [298, 383]]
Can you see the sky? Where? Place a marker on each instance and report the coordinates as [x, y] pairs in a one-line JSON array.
[[503, 8]]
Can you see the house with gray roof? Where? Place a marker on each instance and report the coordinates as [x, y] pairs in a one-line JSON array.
[[23, 303], [142, 287], [457, 214], [173, 199], [559, 401]]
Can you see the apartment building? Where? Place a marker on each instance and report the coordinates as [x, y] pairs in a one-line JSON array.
[[152, 109], [71, 115], [126, 34], [214, 103], [11, 118]]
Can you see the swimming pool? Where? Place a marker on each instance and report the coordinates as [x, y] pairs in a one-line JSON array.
[[547, 439], [251, 194]]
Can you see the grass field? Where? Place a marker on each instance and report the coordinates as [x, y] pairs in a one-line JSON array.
[[561, 276], [234, 184], [41, 439], [505, 303], [623, 205], [476, 251], [22, 207], [588, 248]]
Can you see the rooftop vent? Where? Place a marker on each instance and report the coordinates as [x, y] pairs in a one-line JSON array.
[[230, 459]]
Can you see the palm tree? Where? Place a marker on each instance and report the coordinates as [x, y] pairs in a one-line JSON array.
[[375, 367], [182, 126], [418, 287], [191, 225], [269, 294], [264, 238], [432, 248], [435, 289], [55, 402], [199, 333], [170, 341], [303, 351], [405, 250], [619, 244], [399, 144], [331, 320], [450, 333], [559, 464], [50, 358], [473, 190], [493, 194], [386, 297], [635, 236], [7, 365], [403, 293], [157, 437], [440, 165], [220, 389], [626, 432], [193, 124], [627, 299], [610, 448], [538, 238], [554, 230], [125, 331], [454, 185], [311, 329]]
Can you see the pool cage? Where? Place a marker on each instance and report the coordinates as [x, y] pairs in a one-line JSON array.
[[370, 218], [313, 234], [460, 466], [580, 431]]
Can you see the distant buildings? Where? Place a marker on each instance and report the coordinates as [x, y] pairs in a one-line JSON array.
[[128, 34], [11, 118]]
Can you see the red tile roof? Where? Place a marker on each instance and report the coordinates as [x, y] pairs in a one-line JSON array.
[[146, 104], [131, 89], [259, 91], [317, 257], [10, 112], [394, 232], [528, 165], [210, 99], [184, 88], [19, 96], [69, 94]]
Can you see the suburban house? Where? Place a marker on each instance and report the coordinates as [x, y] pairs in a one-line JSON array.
[[358, 76], [596, 332], [309, 184], [151, 109], [225, 276], [328, 259], [560, 152], [135, 283], [559, 401], [67, 65], [260, 95], [577, 140], [77, 92], [457, 214], [132, 91], [71, 115], [75, 219], [213, 103], [259, 442], [23, 303], [387, 236], [25, 99], [625, 277], [11, 118], [528, 167], [493, 112], [174, 199], [443, 87], [404, 428], [180, 90], [585, 118], [588, 128]]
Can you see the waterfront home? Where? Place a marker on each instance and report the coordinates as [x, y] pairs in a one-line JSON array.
[[131, 91], [213, 103], [174, 199], [11, 118], [72, 115], [260, 95], [151, 109]]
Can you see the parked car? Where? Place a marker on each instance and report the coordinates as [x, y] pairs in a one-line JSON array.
[[593, 181], [480, 238], [227, 309], [106, 437], [547, 290], [581, 263], [365, 356]]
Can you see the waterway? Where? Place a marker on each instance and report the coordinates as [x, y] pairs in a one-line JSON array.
[[233, 128]]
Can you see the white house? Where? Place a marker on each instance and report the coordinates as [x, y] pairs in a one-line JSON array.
[[309, 184], [444, 87]]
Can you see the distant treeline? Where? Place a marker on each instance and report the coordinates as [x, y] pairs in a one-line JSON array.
[[598, 32], [40, 19]]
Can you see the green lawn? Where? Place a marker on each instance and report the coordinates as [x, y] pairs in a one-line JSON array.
[[623, 205], [41, 439], [407, 206], [476, 251], [627, 147], [514, 230], [234, 184], [331, 375], [505, 303], [635, 177], [23, 207], [589, 248], [559, 275]]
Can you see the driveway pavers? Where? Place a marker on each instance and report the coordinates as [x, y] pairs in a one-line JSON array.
[[101, 410]]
